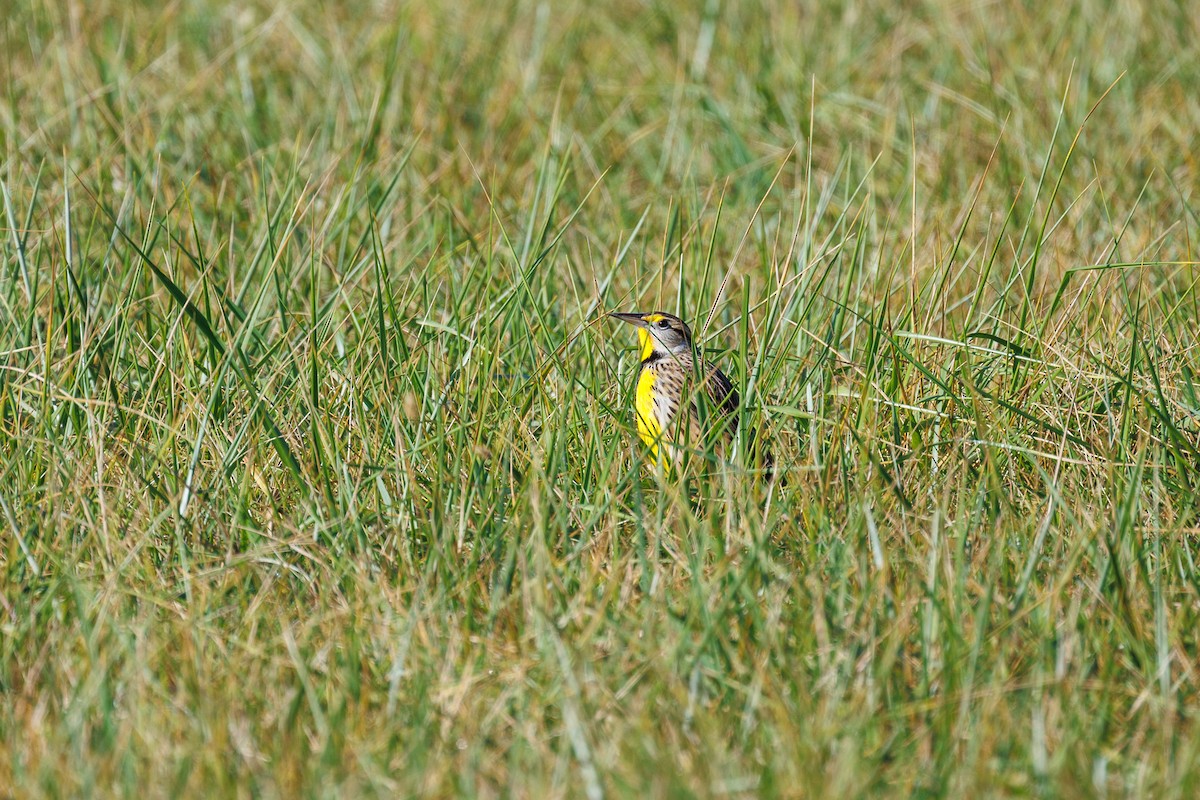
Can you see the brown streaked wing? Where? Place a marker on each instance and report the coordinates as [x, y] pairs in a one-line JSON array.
[[723, 400], [721, 391]]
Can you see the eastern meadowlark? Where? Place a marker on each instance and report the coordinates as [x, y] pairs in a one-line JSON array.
[[670, 368]]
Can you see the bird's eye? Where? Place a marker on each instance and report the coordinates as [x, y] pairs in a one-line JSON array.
[[662, 323]]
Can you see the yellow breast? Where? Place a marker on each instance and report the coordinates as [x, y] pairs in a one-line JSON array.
[[647, 413]]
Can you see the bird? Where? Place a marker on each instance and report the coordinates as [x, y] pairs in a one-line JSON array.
[[670, 368]]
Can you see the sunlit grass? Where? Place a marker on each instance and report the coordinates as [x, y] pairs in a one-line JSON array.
[[318, 471]]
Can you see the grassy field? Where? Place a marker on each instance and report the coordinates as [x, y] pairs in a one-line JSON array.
[[318, 474]]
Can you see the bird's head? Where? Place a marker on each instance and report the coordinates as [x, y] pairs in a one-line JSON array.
[[659, 333]]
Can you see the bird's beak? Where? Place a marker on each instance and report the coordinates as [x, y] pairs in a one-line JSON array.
[[632, 319]]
